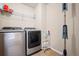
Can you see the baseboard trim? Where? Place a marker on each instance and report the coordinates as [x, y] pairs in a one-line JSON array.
[[60, 53]]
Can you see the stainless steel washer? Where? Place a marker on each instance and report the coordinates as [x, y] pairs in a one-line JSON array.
[[13, 42]]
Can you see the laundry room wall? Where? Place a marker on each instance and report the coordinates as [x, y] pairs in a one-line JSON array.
[[38, 14], [41, 21], [21, 17], [41, 16], [51, 19], [55, 21], [76, 30]]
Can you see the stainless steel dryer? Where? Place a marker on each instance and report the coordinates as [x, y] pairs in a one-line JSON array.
[[32, 41]]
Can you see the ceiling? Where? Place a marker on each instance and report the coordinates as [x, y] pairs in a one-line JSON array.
[[33, 5]]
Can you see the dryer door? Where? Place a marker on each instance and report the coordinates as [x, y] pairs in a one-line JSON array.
[[34, 38]]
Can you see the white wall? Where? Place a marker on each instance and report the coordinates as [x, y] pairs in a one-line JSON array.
[[42, 21], [77, 29], [52, 19], [18, 19], [55, 21], [38, 12]]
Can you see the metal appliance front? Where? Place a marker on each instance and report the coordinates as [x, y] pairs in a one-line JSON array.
[[30, 51]]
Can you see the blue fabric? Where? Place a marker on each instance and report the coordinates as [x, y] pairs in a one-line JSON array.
[[65, 32]]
